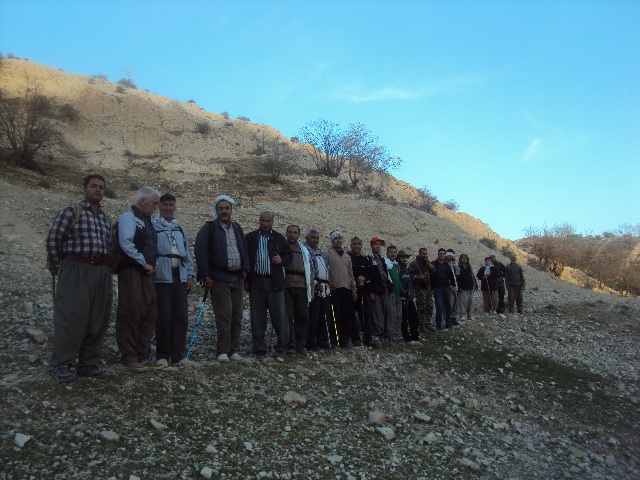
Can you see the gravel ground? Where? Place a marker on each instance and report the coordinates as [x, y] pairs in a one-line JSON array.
[[549, 394]]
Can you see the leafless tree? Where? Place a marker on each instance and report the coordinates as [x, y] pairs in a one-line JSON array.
[[327, 145], [28, 128], [280, 157]]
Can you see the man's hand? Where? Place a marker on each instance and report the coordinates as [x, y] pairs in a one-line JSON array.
[[276, 259], [319, 287], [371, 297], [354, 295], [148, 269], [360, 281], [189, 285], [208, 282]]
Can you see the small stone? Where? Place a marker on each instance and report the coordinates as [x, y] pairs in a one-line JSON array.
[[28, 307], [422, 417], [498, 341], [158, 426], [134, 477], [335, 458], [248, 446], [502, 316], [206, 472], [20, 439], [589, 396], [576, 452], [431, 438], [293, 397], [610, 461], [33, 359], [622, 387], [287, 428], [386, 432], [211, 449], [376, 418], [469, 463], [612, 441], [37, 336], [109, 435], [471, 403]]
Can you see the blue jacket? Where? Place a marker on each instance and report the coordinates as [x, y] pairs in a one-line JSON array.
[[211, 252], [185, 264]]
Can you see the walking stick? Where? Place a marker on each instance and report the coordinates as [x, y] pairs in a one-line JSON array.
[[195, 329], [335, 325]]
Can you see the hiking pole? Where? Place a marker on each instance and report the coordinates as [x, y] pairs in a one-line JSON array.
[[195, 329], [326, 322], [335, 325]]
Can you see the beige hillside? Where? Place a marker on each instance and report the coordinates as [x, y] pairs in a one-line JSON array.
[[143, 138]]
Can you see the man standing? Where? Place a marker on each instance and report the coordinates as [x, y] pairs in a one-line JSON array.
[[137, 300], [174, 282], [488, 276], [321, 333], [343, 291], [420, 270], [223, 262], [77, 246], [443, 281], [450, 256], [515, 283], [410, 332], [380, 291], [269, 254], [299, 287], [396, 298], [500, 270], [467, 283], [361, 272]]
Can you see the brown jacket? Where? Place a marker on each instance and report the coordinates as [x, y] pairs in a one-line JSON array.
[[340, 270]]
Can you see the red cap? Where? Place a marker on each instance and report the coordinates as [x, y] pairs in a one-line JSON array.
[[376, 239]]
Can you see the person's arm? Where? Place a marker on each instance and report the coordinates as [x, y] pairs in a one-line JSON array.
[[57, 234], [284, 250], [200, 251], [126, 231]]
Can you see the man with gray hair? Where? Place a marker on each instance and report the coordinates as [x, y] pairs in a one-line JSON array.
[[137, 308], [223, 263]]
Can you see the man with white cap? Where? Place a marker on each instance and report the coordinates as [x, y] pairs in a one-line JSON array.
[[223, 262]]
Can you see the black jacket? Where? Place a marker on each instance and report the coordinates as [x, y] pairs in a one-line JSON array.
[[276, 244], [211, 251], [443, 275], [466, 280], [375, 283], [491, 283]]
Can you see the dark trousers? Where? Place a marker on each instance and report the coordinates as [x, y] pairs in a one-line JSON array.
[[173, 319], [81, 313], [298, 312], [362, 308], [322, 332], [226, 300], [501, 294], [515, 297], [136, 315], [342, 302], [410, 321], [262, 298], [442, 299]]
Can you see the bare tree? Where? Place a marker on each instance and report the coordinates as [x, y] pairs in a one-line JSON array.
[[426, 200], [280, 157], [27, 128], [328, 148]]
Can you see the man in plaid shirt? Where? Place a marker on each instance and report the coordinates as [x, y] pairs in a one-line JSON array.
[[78, 245]]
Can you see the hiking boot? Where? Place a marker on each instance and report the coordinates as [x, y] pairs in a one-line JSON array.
[[62, 374], [185, 362], [91, 371], [372, 345], [223, 357], [134, 367]]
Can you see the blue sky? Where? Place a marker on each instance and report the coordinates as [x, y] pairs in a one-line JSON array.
[[526, 113]]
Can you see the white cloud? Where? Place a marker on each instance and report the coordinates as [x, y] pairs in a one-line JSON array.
[[531, 152]]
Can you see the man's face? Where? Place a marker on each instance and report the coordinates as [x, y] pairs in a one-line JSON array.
[[449, 258], [403, 260], [513, 258], [487, 262], [423, 254], [149, 205], [441, 256], [493, 259], [337, 242], [168, 209], [376, 247], [392, 254], [293, 234], [94, 191], [223, 210], [356, 246], [313, 239], [266, 222], [464, 260]]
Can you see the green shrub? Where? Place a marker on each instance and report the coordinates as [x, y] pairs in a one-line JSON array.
[[127, 82]]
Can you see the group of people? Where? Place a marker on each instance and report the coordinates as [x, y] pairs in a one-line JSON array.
[[313, 299]]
